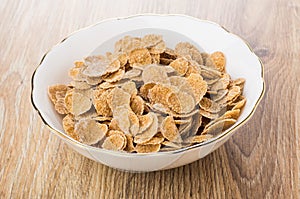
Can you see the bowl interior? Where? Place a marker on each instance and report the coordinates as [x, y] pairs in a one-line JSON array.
[[100, 38]]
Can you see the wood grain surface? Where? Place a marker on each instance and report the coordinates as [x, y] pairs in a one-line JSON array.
[[260, 161]]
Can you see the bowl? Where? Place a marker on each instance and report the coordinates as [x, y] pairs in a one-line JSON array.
[[100, 38]]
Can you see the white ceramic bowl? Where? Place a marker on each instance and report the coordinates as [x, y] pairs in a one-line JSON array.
[[100, 38]]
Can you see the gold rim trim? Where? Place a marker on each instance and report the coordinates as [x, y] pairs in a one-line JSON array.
[[225, 133]]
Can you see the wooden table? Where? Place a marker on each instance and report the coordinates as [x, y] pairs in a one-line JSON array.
[[260, 161]]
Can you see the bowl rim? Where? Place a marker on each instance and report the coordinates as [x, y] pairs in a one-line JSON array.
[[181, 150]]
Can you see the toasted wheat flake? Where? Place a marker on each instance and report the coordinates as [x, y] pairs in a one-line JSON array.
[[123, 59], [145, 121], [220, 95], [169, 130], [155, 74], [159, 108], [99, 65], [209, 105], [111, 132], [219, 60], [181, 84], [119, 98], [93, 80], [204, 56], [144, 90], [198, 85], [193, 67], [68, 125], [91, 114], [200, 138], [185, 129], [100, 97], [81, 103], [107, 85], [183, 115], [231, 114], [81, 85], [180, 65], [233, 93], [69, 100], [196, 123], [151, 40], [60, 106], [219, 126], [75, 74], [78, 64], [221, 84], [239, 104], [158, 48], [157, 139], [134, 123], [191, 129], [238, 82], [127, 44], [170, 70], [115, 142], [140, 57], [132, 73], [149, 132], [90, 131], [52, 90], [137, 105], [181, 102], [169, 54], [136, 44], [113, 125], [208, 114], [187, 49], [112, 67], [129, 146], [183, 121], [102, 118], [114, 77], [211, 81], [210, 73], [159, 94], [207, 61], [171, 144], [121, 114], [130, 87], [149, 148]]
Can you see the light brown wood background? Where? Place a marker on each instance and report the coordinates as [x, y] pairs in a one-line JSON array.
[[260, 161]]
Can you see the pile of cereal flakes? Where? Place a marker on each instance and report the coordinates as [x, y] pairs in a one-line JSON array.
[[146, 98]]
